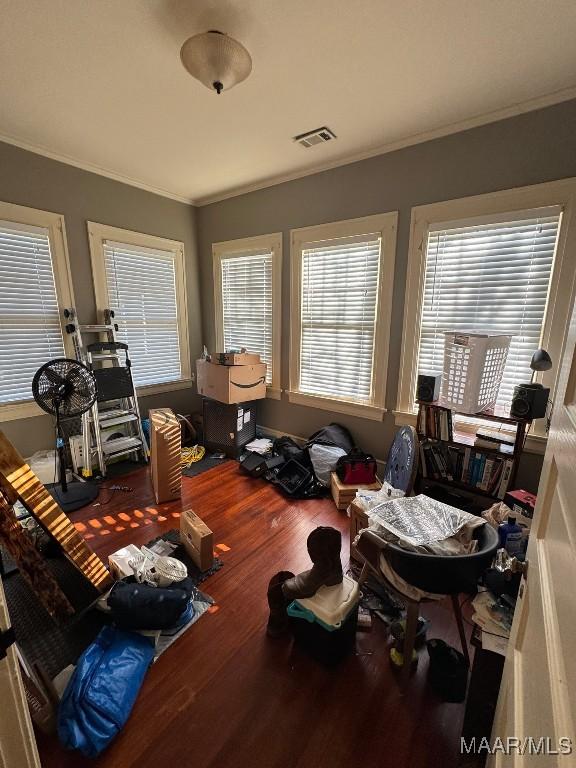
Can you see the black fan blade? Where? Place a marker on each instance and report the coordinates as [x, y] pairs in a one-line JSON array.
[[68, 383]]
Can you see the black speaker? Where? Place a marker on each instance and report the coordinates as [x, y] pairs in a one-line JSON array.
[[428, 387], [529, 401]]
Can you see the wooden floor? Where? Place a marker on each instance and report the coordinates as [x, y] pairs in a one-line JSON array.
[[226, 696]]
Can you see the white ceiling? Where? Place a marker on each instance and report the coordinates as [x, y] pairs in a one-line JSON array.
[[99, 83]]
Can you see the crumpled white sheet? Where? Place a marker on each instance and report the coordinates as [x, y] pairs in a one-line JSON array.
[[402, 586]]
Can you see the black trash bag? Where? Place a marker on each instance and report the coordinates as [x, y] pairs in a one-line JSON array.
[[448, 672], [289, 449], [140, 606], [333, 434]]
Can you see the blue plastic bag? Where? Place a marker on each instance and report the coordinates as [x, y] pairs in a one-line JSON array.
[[101, 693]]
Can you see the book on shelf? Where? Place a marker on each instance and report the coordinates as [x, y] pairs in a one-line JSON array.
[[496, 436], [492, 446], [435, 421], [464, 465]]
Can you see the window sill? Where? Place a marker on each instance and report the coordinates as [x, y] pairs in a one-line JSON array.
[[534, 443], [24, 409], [165, 386], [27, 409], [373, 412]]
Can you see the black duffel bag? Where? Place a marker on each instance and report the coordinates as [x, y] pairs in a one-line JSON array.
[[140, 606]]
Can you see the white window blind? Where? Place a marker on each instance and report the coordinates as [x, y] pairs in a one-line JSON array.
[[489, 276], [338, 317], [142, 291], [30, 329], [247, 305]]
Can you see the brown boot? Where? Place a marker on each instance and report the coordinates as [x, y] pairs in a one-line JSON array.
[[278, 620], [324, 546]]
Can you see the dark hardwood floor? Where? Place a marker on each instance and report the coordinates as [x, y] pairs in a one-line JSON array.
[[226, 696]]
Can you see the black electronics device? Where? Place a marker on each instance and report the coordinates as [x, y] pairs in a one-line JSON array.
[[228, 428], [529, 401], [428, 387]]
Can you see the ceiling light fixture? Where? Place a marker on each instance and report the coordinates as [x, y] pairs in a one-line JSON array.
[[217, 60]]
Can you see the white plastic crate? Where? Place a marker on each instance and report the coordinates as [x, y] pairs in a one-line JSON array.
[[473, 368]]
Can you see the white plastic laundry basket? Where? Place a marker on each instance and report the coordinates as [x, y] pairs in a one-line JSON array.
[[473, 368]]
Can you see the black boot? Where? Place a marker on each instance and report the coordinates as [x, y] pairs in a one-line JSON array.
[[278, 619], [324, 546]]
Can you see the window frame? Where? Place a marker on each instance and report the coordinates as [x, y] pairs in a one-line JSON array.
[[560, 193], [55, 224], [386, 225], [97, 234], [239, 248]]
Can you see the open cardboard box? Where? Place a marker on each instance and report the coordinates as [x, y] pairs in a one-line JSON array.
[[231, 383]]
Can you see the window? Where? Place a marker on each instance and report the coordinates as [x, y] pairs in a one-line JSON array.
[[247, 287], [342, 277], [498, 271], [34, 287], [142, 279], [489, 276]]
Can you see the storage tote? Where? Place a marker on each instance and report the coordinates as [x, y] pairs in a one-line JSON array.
[[325, 625], [473, 368]]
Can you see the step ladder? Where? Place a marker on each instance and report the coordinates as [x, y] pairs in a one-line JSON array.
[[116, 404]]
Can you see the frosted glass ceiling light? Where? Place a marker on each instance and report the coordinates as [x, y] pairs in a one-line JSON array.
[[217, 60]]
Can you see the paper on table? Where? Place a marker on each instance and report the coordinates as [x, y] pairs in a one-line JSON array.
[[494, 643]]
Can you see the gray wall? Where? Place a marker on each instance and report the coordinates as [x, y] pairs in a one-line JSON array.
[[531, 148], [38, 182]]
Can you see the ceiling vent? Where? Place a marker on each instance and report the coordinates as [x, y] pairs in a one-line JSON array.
[[317, 136]]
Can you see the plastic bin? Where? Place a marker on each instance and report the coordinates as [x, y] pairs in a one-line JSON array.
[[45, 466], [473, 368], [325, 625], [292, 476]]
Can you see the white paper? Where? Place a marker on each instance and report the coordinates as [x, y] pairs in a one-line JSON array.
[[239, 423], [246, 417], [494, 643]]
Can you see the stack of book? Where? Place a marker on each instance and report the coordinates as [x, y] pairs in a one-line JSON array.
[[463, 464], [435, 421]]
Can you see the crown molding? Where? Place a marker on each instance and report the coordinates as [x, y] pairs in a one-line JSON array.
[[37, 149], [556, 97], [540, 102]]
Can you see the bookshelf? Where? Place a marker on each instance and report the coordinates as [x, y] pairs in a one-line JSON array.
[[450, 459]]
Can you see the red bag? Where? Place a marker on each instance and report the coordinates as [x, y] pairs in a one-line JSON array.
[[356, 468]]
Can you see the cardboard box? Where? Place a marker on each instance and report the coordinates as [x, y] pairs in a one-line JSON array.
[[165, 454], [197, 538], [521, 503], [358, 521], [236, 358], [344, 495], [231, 383]]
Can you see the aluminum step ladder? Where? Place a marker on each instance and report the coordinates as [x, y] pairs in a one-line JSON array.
[[116, 404]]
